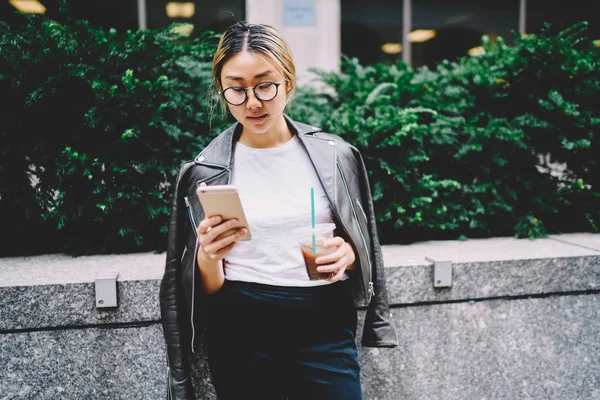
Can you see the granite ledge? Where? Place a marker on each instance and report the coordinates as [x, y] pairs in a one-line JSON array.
[[39, 270], [73, 304], [58, 290]]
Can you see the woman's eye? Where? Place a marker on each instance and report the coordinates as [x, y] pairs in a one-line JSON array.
[[238, 90], [264, 86]]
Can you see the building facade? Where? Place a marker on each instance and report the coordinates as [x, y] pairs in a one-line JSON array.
[[419, 32]]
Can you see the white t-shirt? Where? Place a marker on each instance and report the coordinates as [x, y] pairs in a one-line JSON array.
[[274, 186]]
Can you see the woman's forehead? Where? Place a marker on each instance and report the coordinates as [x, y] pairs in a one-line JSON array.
[[248, 66]]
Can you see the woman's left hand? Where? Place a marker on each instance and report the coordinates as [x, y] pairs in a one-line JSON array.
[[340, 260]]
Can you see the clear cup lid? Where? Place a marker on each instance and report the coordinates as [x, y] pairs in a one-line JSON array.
[[319, 229]]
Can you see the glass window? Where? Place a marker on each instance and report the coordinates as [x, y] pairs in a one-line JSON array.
[[123, 14], [443, 29], [118, 14], [8, 13], [204, 15], [372, 29], [562, 15]]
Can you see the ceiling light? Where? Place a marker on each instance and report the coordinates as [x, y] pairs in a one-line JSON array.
[[421, 35], [28, 6], [180, 10], [391, 48], [476, 51]]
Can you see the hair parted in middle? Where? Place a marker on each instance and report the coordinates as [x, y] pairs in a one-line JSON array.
[[265, 41]]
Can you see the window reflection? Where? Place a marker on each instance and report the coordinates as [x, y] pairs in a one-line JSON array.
[[562, 15], [203, 15], [118, 14], [459, 26], [123, 14], [367, 25]]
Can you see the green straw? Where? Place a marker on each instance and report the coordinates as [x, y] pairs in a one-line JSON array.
[[312, 211]]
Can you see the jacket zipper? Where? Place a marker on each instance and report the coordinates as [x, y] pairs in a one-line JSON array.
[[191, 215], [371, 286], [169, 381], [194, 226], [183, 254], [362, 210], [371, 290]]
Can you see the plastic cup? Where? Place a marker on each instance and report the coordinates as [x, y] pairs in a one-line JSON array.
[[322, 232]]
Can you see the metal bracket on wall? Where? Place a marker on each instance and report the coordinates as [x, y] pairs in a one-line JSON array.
[[106, 292], [442, 273]]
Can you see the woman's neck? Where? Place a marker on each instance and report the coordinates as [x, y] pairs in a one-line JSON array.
[[276, 136]]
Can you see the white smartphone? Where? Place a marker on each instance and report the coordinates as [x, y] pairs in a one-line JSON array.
[[224, 200]]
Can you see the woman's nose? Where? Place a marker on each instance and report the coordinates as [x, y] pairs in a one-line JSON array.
[[253, 101]]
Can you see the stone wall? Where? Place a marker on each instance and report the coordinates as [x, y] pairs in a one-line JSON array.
[[520, 321]]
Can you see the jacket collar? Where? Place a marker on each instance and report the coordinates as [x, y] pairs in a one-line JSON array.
[[320, 150], [220, 151]]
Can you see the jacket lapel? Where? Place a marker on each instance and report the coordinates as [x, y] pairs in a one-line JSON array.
[[220, 151], [322, 153]]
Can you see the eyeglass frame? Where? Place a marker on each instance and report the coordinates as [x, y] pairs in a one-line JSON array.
[[222, 92]]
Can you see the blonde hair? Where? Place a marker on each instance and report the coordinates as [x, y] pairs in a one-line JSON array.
[[265, 41]]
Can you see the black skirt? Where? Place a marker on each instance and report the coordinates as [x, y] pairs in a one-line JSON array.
[[279, 342]]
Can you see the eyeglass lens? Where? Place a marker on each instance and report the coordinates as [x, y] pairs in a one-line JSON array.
[[263, 91]]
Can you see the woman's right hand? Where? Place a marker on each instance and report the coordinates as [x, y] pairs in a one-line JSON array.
[[213, 245]]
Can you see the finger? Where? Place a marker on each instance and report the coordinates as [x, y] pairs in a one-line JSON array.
[[218, 246], [331, 258], [334, 241], [207, 223], [341, 263], [223, 252], [337, 275], [216, 231]]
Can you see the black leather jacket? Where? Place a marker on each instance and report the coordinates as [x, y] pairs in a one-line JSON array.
[[342, 173]]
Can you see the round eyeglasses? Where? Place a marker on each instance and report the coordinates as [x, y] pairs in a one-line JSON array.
[[264, 91]]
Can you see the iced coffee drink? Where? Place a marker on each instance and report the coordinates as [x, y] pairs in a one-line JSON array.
[[321, 233]]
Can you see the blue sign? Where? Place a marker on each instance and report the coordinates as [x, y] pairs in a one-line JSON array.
[[299, 13]]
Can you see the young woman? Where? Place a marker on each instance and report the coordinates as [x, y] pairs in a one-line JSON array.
[[271, 332]]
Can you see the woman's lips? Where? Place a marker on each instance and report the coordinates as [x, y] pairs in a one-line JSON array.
[[258, 118]]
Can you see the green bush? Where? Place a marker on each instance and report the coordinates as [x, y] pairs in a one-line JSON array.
[[95, 129], [467, 150], [98, 122]]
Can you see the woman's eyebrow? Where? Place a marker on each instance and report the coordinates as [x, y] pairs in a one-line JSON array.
[[238, 78]]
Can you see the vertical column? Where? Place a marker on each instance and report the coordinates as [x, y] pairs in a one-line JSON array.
[[406, 28], [312, 28], [142, 20], [522, 16]]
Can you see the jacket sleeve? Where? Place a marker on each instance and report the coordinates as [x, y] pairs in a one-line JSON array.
[[379, 330], [172, 307]]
